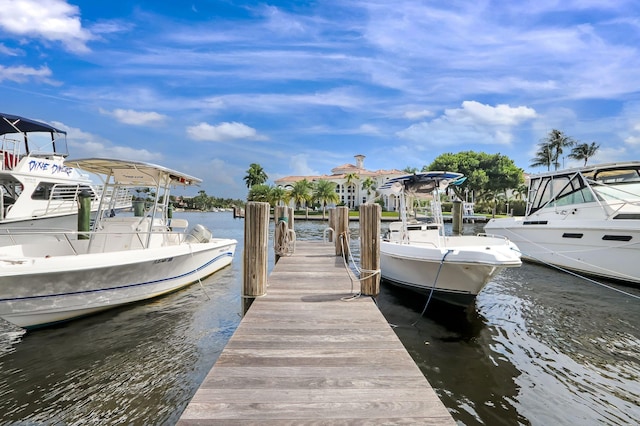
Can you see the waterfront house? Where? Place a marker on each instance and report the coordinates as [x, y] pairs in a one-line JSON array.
[[355, 185]]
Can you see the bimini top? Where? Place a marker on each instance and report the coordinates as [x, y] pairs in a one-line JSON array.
[[14, 124], [133, 173], [420, 183]]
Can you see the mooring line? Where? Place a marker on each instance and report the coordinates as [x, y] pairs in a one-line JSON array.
[[575, 274]]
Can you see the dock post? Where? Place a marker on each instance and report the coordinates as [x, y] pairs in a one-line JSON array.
[[456, 213], [280, 233], [84, 214], [370, 215], [341, 223], [256, 238], [332, 218]]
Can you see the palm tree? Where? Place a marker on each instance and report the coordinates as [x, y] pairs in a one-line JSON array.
[[301, 193], [325, 192], [277, 195], [543, 157], [369, 185], [259, 192], [521, 192], [584, 151], [409, 170], [350, 178], [551, 148], [255, 175]]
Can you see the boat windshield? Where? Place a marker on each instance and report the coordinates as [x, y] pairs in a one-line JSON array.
[[578, 188], [559, 191], [617, 184]]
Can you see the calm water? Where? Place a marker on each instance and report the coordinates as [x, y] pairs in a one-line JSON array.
[[541, 347]]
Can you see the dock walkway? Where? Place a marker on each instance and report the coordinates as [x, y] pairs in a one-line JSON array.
[[303, 355]]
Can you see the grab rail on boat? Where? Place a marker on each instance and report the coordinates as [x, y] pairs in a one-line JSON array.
[[484, 234], [71, 237]]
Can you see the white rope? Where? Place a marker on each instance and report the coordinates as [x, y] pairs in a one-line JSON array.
[[564, 253], [592, 281], [285, 244], [344, 236]]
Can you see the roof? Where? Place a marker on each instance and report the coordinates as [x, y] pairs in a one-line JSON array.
[[15, 124], [127, 172]]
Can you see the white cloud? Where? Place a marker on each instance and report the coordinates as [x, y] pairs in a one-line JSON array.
[[473, 112], [474, 123], [300, 167], [84, 144], [369, 129], [138, 118], [51, 20], [21, 74], [418, 114], [223, 132], [4, 50]]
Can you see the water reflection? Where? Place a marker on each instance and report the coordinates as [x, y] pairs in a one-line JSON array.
[[539, 347]]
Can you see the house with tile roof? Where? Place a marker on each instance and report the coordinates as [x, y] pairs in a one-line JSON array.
[[350, 180]]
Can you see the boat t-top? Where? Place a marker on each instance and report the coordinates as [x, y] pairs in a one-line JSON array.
[[419, 255]]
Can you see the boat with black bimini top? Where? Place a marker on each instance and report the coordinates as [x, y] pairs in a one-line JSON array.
[[37, 189]]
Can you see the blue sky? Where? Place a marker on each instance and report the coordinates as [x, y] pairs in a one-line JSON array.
[[209, 87]]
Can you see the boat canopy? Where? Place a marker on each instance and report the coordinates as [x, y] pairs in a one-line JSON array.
[[420, 184], [133, 173], [15, 124]]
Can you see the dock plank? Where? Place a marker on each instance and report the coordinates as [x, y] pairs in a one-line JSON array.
[[308, 353]]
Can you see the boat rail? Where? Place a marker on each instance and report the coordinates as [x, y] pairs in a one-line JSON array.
[[9, 153], [20, 242], [487, 235]]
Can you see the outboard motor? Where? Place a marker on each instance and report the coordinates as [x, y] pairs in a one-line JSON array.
[[200, 234]]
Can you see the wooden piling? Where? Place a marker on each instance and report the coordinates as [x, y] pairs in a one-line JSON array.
[[341, 223], [456, 213], [84, 214], [281, 232], [370, 215], [256, 238], [332, 219]]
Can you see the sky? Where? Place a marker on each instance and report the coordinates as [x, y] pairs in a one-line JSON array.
[[208, 87]]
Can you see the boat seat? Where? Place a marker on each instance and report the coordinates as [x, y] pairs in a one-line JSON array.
[[114, 236], [177, 228]]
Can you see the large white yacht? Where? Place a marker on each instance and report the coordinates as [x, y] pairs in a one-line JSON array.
[[584, 219]]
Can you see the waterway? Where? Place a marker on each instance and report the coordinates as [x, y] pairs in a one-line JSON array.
[[539, 347]]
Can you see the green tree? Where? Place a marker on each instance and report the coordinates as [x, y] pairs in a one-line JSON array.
[[369, 185], [278, 195], [201, 201], [584, 151], [487, 174], [409, 170], [551, 148], [301, 194], [259, 192], [543, 157], [324, 192], [255, 175], [350, 178]]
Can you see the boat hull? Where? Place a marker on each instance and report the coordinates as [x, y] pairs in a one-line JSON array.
[[454, 275], [43, 291], [600, 248]]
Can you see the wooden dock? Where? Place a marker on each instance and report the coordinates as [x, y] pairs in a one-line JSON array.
[[304, 355]]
